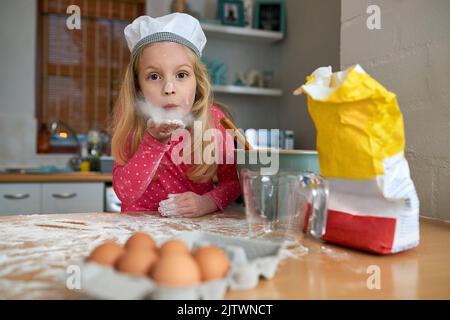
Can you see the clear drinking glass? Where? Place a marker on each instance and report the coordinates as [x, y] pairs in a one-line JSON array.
[[280, 206]]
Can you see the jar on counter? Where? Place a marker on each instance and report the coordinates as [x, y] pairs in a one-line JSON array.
[[289, 139], [85, 164]]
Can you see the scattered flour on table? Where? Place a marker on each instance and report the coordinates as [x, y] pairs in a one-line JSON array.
[[40, 247], [36, 249]]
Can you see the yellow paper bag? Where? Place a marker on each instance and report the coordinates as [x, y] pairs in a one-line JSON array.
[[358, 122], [373, 204]]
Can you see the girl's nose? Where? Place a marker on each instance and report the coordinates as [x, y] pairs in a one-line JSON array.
[[169, 89]]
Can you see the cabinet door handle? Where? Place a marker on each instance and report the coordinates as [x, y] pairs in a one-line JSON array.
[[17, 196], [64, 195]]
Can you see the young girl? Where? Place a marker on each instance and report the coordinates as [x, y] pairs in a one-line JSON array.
[[165, 73]]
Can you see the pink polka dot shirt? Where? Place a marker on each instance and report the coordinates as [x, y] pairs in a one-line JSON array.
[[150, 175]]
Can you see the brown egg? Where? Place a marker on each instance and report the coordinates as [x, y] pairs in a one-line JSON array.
[[212, 261], [140, 240], [137, 262], [106, 253], [174, 246], [176, 269]]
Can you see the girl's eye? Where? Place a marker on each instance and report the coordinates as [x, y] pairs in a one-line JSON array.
[[183, 75], [153, 76]]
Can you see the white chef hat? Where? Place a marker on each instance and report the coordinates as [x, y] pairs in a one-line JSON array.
[[176, 27]]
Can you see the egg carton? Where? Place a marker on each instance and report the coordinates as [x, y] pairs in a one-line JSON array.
[[250, 259]]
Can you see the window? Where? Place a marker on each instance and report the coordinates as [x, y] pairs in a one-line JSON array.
[[80, 70]]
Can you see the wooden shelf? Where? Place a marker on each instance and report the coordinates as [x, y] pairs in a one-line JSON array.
[[247, 90], [230, 33]]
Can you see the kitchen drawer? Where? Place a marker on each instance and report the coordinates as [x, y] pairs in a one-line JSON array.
[[72, 197], [20, 198]]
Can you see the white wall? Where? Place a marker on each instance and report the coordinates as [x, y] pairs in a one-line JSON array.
[[17, 25], [18, 79], [17, 86], [410, 56]]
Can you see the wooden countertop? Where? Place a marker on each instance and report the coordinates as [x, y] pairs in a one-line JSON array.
[[35, 251], [56, 177]]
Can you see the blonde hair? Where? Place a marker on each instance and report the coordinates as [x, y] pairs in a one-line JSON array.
[[129, 126]]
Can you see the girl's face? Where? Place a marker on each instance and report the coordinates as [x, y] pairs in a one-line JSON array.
[[166, 77]]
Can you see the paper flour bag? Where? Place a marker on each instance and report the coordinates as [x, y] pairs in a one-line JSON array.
[[373, 204]]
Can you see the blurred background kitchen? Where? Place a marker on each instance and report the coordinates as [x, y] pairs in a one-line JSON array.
[[59, 83]]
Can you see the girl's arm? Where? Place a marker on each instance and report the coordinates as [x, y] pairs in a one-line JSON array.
[[190, 204], [229, 187], [131, 180]]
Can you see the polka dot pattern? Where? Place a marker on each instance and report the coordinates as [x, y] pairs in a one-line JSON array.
[[150, 175]]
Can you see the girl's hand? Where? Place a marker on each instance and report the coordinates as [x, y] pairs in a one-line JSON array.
[[162, 131], [187, 204]]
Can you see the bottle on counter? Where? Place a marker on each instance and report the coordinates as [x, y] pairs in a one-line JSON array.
[[94, 149], [289, 139], [44, 137], [281, 140], [263, 141], [275, 138], [85, 164]]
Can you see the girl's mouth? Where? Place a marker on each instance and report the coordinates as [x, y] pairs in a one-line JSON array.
[[169, 106]]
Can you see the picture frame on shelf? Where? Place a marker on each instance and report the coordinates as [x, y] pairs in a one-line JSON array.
[[231, 12], [270, 15]]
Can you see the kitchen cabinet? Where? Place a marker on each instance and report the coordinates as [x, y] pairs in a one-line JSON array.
[[49, 197], [20, 198], [72, 197]]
